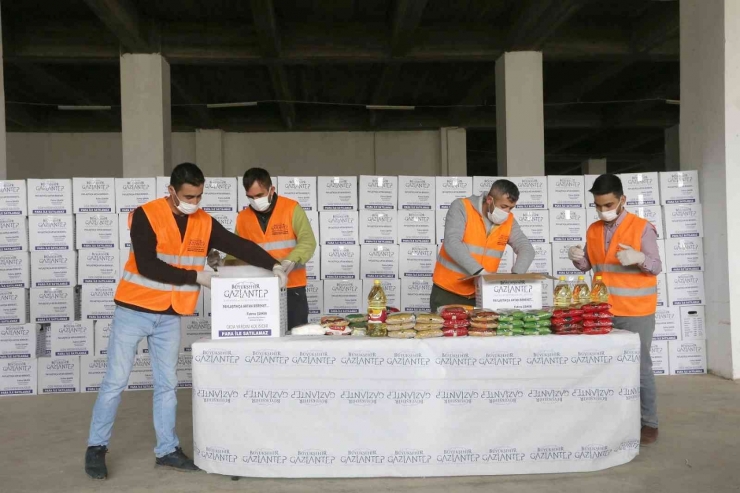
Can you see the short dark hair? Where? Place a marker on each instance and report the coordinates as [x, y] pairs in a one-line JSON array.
[[504, 187], [186, 173], [258, 175], [606, 184]]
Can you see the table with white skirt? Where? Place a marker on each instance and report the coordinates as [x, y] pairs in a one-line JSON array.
[[306, 407]]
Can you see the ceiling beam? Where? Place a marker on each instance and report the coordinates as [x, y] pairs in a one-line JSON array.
[[20, 116], [538, 20], [123, 20], [196, 108]]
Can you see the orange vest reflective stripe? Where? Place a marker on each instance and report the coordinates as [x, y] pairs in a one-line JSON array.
[[279, 239], [186, 253], [487, 250], [632, 292]]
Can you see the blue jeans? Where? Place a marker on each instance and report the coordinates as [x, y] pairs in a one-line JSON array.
[[163, 335]]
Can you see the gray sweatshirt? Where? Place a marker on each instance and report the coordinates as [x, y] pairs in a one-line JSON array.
[[455, 229]]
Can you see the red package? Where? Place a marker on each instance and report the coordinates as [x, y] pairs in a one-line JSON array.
[[566, 327], [567, 333], [603, 307], [589, 324], [567, 312], [454, 313], [597, 331], [565, 320], [455, 324], [590, 307], [460, 332]]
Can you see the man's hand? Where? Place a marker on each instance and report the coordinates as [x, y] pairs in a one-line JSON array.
[[214, 259], [288, 265], [629, 256], [204, 278], [576, 253], [279, 271]]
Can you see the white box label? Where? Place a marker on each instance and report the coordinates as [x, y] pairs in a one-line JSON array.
[[568, 225], [542, 263], [679, 187], [686, 288], [15, 270], [415, 294], [451, 188], [59, 374], [535, 223], [340, 262], [667, 324], [692, 323], [337, 193], [53, 269], [519, 295], [18, 377], [97, 301], [688, 357], [193, 329], [379, 261], [378, 227], [17, 342], [225, 219], [162, 188], [416, 227], [13, 199], [72, 338], [342, 297], [641, 188], [13, 306], [94, 195], [97, 231], [378, 192], [482, 184], [99, 267], [659, 355], [51, 233], [532, 191], [248, 307], [13, 234], [49, 196], [588, 183], [417, 260], [315, 295], [684, 254], [339, 228], [219, 195], [683, 221], [566, 192], [302, 189], [416, 192], [92, 372], [134, 192]]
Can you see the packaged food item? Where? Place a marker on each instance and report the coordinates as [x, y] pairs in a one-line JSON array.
[[596, 307], [356, 317], [428, 318], [567, 333], [482, 333], [427, 334], [460, 332], [483, 316], [518, 331], [565, 320], [598, 316], [589, 324], [336, 330], [402, 334], [330, 320], [359, 332], [596, 330], [455, 308], [534, 315], [376, 330], [397, 327], [419, 327], [399, 318], [358, 325], [483, 325], [505, 325], [308, 330], [531, 332], [513, 314], [455, 324], [504, 332], [544, 331], [567, 312]]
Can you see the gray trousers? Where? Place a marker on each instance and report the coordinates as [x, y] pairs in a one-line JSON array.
[[644, 326]]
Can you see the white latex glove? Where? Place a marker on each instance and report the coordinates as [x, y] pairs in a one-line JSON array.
[[204, 278], [214, 259], [629, 256], [576, 253], [279, 271], [288, 265]]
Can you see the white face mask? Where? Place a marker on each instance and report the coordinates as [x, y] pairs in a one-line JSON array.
[[184, 207], [498, 216], [608, 216], [261, 204]]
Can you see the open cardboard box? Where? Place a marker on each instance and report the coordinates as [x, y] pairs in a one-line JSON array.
[[515, 291]]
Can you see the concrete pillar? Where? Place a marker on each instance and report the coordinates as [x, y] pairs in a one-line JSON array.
[[209, 151], [520, 127], [672, 148], [710, 142], [3, 144], [453, 152], [594, 166], [145, 115]]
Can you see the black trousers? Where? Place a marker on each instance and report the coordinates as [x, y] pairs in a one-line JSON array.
[[297, 307]]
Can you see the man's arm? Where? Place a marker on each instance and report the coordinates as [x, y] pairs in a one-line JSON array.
[[454, 232], [584, 265], [649, 246], [305, 240], [245, 250], [144, 243], [522, 248]]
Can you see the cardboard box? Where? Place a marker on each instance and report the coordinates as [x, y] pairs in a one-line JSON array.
[[566, 192], [43, 340], [302, 189], [667, 324], [92, 372], [339, 228], [162, 188], [568, 225], [641, 188], [417, 260], [440, 226], [59, 375], [343, 297], [686, 288], [97, 301], [482, 184], [313, 219], [692, 323], [391, 288], [102, 330], [507, 260], [679, 187], [97, 231], [378, 227], [688, 357], [542, 259], [450, 188], [654, 214], [52, 196], [99, 267], [17, 342], [379, 261], [13, 306], [517, 291], [684, 254], [313, 266], [247, 302], [561, 264], [659, 355], [142, 375], [193, 329], [415, 294], [51, 233], [15, 270], [532, 191], [185, 371], [662, 291], [588, 183], [416, 192], [13, 198], [241, 195], [53, 269], [13, 234], [72, 338], [416, 226], [336, 193], [535, 223], [683, 221], [340, 262], [378, 192], [219, 195], [315, 295], [134, 192], [93, 195], [226, 219], [18, 377], [124, 232]]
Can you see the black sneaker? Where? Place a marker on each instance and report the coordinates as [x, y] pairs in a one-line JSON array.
[[95, 462], [177, 460]]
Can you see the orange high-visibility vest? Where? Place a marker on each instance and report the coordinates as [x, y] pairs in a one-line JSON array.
[[632, 292], [487, 250], [279, 239], [189, 253]]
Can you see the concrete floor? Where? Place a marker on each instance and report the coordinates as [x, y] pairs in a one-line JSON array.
[[42, 445]]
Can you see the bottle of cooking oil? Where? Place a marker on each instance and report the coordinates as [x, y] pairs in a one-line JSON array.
[[376, 304], [599, 293], [562, 296], [581, 293]]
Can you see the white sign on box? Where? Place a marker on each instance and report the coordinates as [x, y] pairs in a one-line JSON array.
[[51, 233], [247, 302], [193, 329], [184, 371], [315, 295], [692, 323], [124, 232], [391, 288], [416, 192], [162, 186], [134, 192], [94, 195], [15, 270], [568, 225], [13, 306], [566, 192], [302, 189], [662, 291], [417, 260], [17, 342], [226, 219], [313, 266], [415, 294], [379, 261], [13, 234], [667, 324], [18, 377], [561, 264], [99, 267], [688, 357], [97, 301], [416, 227], [337, 193], [679, 187], [441, 219], [686, 288], [684, 254], [378, 227], [683, 221], [340, 262], [52, 196], [75, 338], [654, 214], [102, 336], [92, 372], [542, 263], [659, 355], [343, 297], [641, 188], [482, 184], [53, 269], [535, 223], [313, 220], [219, 195], [59, 374], [451, 188], [500, 291], [13, 199], [97, 231], [141, 376], [532, 191], [588, 183], [378, 192], [339, 228]]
